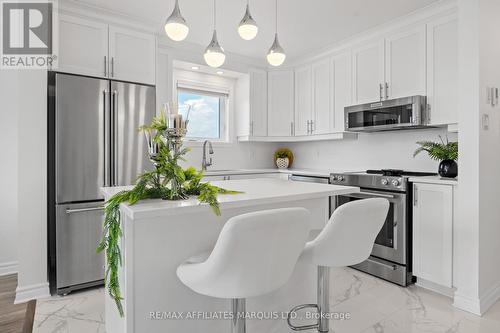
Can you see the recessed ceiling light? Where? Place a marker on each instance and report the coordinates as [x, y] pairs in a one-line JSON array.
[[195, 68], [220, 72]]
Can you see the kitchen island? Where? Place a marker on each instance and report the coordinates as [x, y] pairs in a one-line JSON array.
[[159, 235]]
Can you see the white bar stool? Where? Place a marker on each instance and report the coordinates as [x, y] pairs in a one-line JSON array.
[[346, 240], [255, 254]]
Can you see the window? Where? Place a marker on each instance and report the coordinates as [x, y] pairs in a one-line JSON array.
[[206, 113]]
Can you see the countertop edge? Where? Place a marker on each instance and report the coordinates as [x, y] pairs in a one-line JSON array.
[[434, 180]]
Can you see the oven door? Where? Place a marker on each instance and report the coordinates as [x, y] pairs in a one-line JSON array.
[[390, 243]]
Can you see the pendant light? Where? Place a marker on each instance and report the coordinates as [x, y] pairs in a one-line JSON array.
[[248, 28], [276, 55], [214, 53], [175, 26]]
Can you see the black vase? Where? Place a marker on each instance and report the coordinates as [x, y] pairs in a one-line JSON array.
[[448, 169]]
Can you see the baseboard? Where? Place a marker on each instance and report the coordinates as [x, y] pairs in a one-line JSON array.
[[34, 291], [490, 297], [7, 268], [445, 291], [467, 304]]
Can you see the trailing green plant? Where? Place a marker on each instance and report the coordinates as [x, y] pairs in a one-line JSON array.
[[439, 151], [168, 181]]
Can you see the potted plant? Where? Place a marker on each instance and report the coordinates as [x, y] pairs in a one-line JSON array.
[[445, 152], [283, 158]]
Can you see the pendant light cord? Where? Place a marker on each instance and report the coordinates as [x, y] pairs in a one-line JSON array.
[[215, 14], [276, 18]]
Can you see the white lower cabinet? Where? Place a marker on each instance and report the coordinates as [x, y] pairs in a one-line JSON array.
[[433, 233]]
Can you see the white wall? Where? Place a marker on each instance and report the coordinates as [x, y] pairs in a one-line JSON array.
[[370, 151], [8, 170], [489, 162], [32, 185], [478, 219]]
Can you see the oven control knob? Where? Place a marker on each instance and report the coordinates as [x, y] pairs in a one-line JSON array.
[[384, 181], [395, 182], [341, 178], [334, 178]]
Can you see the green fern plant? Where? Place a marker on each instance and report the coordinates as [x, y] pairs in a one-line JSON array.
[[157, 184], [438, 151]]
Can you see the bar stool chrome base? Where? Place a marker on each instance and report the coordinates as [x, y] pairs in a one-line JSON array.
[[322, 307], [238, 322]]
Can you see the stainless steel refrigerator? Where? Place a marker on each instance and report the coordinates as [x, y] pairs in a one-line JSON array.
[[93, 142]]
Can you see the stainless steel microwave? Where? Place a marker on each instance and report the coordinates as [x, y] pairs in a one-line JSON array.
[[395, 114]]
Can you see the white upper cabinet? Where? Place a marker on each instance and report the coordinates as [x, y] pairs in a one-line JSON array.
[[280, 109], [433, 233], [368, 72], [322, 112], [83, 46], [132, 55], [341, 88], [405, 69], [98, 49], [442, 70], [258, 103], [303, 100]]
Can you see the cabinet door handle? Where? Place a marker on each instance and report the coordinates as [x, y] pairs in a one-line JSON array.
[[313, 127], [112, 66], [386, 90], [291, 128], [251, 128], [105, 66], [415, 195], [381, 88]]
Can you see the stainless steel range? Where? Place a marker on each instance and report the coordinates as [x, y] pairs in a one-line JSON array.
[[391, 255]]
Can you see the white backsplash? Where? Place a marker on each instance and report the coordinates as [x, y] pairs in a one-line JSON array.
[[392, 149], [244, 155]]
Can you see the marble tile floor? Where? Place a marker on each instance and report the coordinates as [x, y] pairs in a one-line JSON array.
[[375, 306]]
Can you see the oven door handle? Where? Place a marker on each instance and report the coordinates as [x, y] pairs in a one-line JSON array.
[[371, 194]]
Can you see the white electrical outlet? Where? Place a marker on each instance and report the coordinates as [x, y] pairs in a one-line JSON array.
[[486, 122]]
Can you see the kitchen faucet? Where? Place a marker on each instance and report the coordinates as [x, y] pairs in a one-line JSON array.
[[204, 163]]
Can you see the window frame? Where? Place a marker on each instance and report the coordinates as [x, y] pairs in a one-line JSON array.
[[225, 114]]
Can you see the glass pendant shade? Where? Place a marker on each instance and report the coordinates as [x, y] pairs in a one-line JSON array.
[[276, 55], [248, 27], [176, 27], [214, 53]]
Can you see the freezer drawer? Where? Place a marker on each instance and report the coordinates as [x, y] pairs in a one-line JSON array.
[[79, 230]]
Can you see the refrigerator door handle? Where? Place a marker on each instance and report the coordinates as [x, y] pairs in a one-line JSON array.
[[115, 138], [107, 148], [82, 210]]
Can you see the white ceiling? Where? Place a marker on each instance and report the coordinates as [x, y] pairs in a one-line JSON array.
[[303, 25]]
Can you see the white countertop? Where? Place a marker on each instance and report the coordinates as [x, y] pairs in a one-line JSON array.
[[255, 191], [434, 180]]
